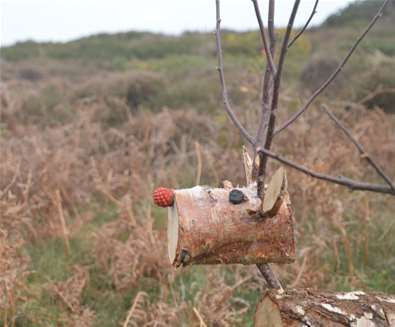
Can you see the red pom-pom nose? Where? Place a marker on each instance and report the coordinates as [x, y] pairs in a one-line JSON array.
[[163, 197]]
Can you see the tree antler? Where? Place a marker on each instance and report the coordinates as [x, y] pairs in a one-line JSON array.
[[220, 69], [264, 40], [360, 148], [341, 180], [270, 98], [274, 101], [297, 36], [332, 77]]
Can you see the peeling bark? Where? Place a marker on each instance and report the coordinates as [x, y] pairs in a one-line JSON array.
[[315, 309], [205, 228]]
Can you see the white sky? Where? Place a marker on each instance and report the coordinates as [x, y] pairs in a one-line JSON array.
[[63, 20]]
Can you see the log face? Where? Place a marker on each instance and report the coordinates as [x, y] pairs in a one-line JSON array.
[[312, 308], [211, 230]]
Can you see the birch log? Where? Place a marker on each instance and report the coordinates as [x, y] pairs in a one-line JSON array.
[[297, 308], [204, 227]]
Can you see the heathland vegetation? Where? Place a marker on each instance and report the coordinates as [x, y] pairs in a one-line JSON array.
[[88, 128]]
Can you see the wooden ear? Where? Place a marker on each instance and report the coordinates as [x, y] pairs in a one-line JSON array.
[[275, 189], [248, 165]]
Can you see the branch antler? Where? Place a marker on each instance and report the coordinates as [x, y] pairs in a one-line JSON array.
[[340, 180], [220, 69], [332, 77], [297, 36], [270, 98], [268, 52], [360, 148], [267, 141]]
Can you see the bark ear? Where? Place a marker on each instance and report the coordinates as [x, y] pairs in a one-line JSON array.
[[248, 166], [276, 187]]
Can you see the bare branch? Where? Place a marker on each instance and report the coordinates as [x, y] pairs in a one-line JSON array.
[[359, 147], [331, 78], [220, 68], [274, 103], [341, 180], [268, 54], [267, 86], [272, 35], [265, 269], [306, 25]]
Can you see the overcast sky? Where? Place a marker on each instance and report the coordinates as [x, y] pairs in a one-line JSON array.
[[63, 20]]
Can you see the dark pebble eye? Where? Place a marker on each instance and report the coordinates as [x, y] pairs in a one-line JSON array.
[[185, 257], [237, 197]]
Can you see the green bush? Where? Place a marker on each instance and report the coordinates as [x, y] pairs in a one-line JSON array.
[[361, 11], [49, 107]]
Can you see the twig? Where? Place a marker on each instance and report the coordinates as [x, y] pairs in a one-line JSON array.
[[199, 162], [267, 83], [274, 103], [268, 79], [133, 308], [272, 34], [306, 25], [14, 178], [263, 37], [201, 321], [220, 69], [300, 272], [296, 115], [65, 232], [360, 148], [341, 180], [270, 277]]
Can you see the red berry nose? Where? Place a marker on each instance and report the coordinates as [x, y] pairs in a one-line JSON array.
[[163, 197]]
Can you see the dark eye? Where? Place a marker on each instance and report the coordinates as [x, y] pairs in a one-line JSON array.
[[237, 197]]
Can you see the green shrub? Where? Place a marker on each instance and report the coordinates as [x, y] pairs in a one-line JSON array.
[[359, 11], [376, 86], [49, 107]]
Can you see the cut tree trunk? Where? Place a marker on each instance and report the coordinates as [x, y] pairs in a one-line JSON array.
[[204, 227], [311, 308]]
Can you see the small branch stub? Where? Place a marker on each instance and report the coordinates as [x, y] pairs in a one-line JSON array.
[[205, 227]]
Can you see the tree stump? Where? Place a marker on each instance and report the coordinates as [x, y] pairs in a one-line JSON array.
[[205, 227], [312, 308]]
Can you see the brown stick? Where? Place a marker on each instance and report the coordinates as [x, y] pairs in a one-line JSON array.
[[268, 53], [264, 268], [220, 69], [341, 180], [270, 277], [332, 77], [305, 26], [360, 148], [198, 152], [276, 93], [65, 232], [313, 308], [266, 97], [267, 80]]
